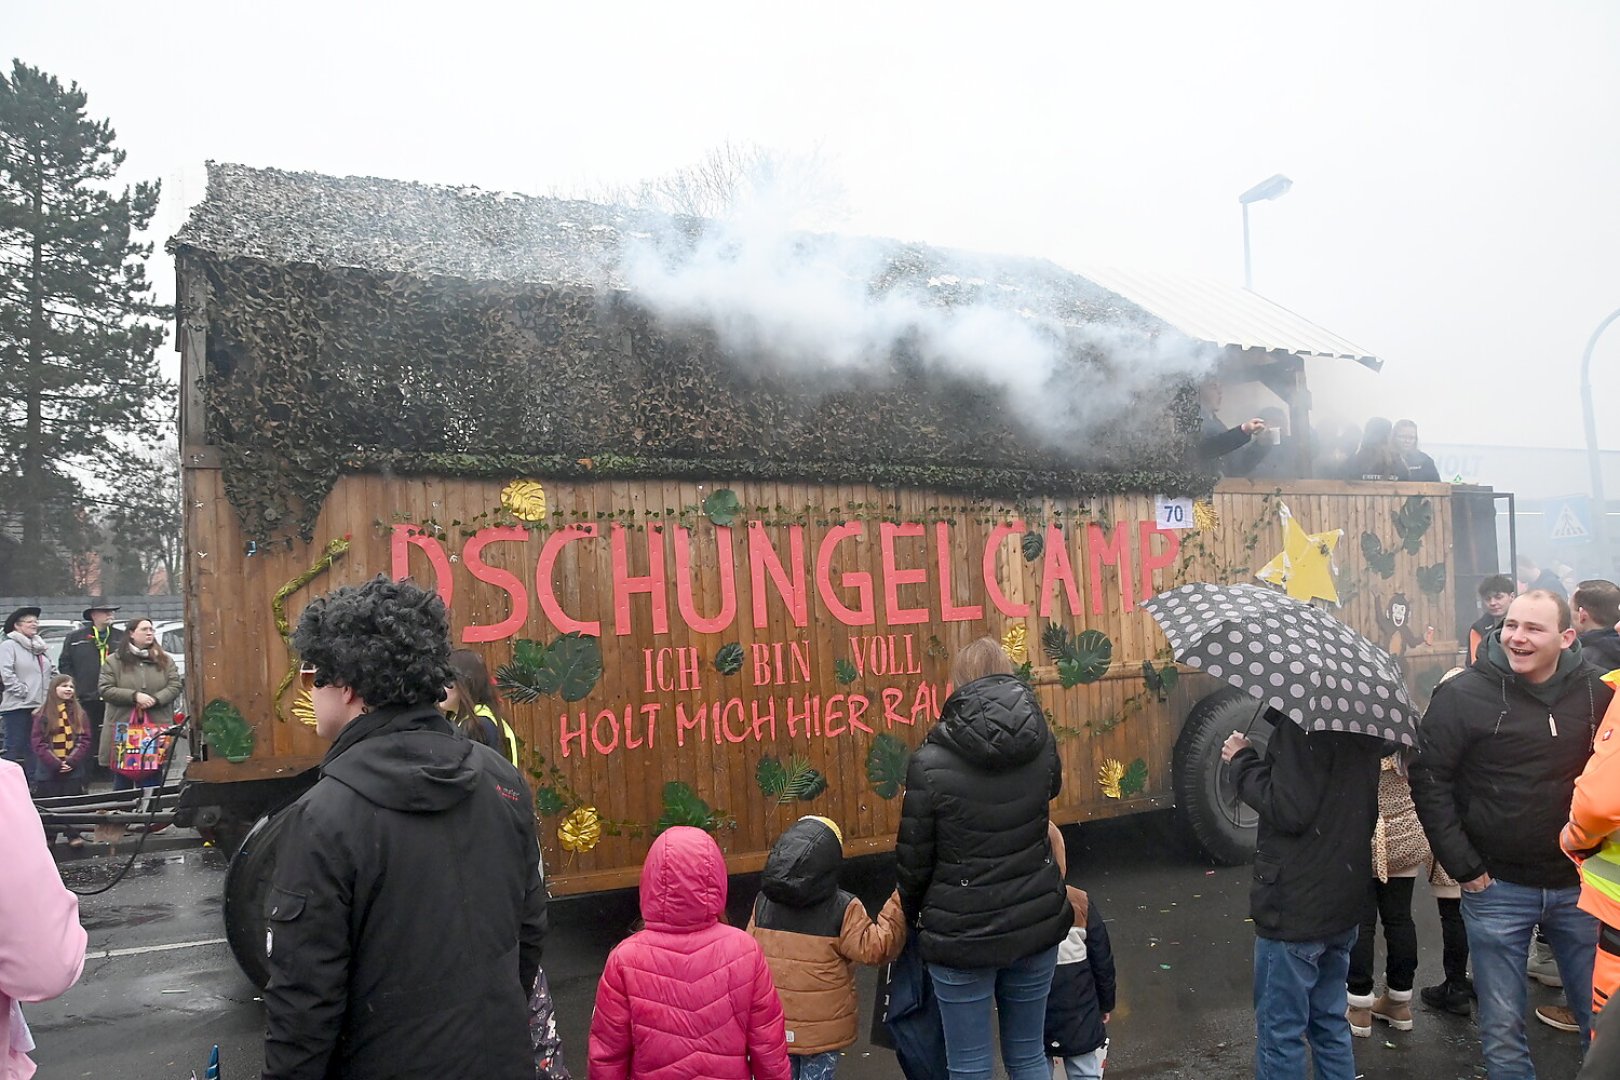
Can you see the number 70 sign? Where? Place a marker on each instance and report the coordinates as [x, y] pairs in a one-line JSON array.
[[1173, 513]]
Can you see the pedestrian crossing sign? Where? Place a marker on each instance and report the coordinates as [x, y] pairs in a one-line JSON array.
[[1568, 521]]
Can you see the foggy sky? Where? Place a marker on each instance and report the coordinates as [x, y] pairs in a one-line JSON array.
[[1455, 165]]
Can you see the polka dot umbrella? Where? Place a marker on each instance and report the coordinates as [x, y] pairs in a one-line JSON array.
[[1296, 658]]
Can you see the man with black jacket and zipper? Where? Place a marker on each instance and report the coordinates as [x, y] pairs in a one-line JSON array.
[[83, 653], [1595, 607], [1317, 797], [406, 911], [1499, 750]]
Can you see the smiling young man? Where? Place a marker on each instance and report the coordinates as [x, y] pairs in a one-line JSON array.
[[406, 911], [1500, 748]]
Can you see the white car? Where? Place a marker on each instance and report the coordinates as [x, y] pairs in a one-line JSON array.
[[171, 638], [55, 632]]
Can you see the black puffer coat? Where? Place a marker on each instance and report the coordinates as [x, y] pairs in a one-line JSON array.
[[406, 911], [973, 860]]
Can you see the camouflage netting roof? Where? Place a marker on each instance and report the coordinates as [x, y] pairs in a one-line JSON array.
[[356, 323]]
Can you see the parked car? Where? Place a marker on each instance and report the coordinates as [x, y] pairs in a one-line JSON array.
[[55, 632], [171, 638]]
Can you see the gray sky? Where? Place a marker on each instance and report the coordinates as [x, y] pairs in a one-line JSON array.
[[1456, 166]]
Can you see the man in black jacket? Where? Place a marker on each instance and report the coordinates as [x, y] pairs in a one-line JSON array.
[[1595, 609], [407, 909], [83, 653], [1317, 797], [1500, 748]]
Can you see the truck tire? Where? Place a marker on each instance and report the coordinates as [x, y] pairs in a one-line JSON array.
[[247, 883], [1222, 827]]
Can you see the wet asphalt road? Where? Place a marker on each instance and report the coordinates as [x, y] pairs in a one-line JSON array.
[[147, 1010]]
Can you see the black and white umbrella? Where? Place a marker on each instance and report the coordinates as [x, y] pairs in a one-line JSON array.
[[1296, 658]]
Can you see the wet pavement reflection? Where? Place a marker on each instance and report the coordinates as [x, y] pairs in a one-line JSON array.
[[160, 987]]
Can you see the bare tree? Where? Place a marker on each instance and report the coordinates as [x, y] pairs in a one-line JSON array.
[[735, 177]]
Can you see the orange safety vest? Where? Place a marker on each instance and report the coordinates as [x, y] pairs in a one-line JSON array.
[[1594, 819]]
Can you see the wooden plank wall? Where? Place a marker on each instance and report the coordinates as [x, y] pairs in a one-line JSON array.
[[238, 654]]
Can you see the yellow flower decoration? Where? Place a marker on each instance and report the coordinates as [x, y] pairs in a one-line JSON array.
[[1109, 776], [1015, 643], [1205, 516], [581, 830], [525, 500], [303, 708]]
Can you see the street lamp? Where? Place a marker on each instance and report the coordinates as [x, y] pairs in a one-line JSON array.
[[1274, 188], [1594, 460]]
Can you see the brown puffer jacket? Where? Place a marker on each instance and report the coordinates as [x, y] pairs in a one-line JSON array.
[[813, 934]]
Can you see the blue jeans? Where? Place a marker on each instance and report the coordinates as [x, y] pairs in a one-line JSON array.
[[1019, 991], [1500, 920], [1300, 998], [814, 1066], [19, 730]]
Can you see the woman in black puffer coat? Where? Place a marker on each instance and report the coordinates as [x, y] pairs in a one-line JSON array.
[[976, 871]]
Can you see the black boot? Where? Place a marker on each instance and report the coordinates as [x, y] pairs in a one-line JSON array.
[[1451, 997]]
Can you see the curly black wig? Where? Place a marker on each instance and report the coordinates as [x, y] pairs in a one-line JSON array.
[[388, 641]]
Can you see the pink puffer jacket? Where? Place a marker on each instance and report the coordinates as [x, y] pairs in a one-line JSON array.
[[41, 941], [687, 998]]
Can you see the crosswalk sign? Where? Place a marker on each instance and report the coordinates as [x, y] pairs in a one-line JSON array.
[[1569, 520]]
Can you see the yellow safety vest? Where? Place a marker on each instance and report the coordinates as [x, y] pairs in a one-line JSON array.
[[508, 736]]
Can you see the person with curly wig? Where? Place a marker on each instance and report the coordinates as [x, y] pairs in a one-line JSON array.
[[382, 961]]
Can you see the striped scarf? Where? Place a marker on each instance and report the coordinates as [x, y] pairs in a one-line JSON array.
[[66, 736]]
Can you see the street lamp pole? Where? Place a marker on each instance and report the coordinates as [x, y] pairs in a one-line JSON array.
[[1272, 188], [1594, 460]]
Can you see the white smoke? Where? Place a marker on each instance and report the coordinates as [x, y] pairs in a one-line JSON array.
[[826, 307]]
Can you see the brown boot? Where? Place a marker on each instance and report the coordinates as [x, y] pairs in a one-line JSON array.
[[1394, 1007], [1360, 1015]]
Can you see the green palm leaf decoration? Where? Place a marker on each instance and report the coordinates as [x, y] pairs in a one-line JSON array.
[[729, 660], [569, 667], [227, 733], [1380, 561], [683, 806], [795, 780], [886, 765]]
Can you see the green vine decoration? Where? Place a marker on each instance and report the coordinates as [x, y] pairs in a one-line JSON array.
[[334, 550]]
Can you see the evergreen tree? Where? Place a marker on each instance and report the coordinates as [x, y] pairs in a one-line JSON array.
[[79, 330]]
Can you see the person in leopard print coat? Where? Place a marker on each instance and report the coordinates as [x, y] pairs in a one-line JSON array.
[[1400, 854]]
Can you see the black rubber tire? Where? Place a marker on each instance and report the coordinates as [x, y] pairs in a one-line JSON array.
[[1221, 826], [247, 883]]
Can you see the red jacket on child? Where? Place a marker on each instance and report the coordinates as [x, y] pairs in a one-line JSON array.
[[687, 998]]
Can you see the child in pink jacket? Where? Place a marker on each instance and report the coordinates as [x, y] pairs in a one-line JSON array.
[[41, 941], [688, 998]]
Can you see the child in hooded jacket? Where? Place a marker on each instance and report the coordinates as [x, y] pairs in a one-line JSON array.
[[1082, 996], [687, 998], [813, 934]]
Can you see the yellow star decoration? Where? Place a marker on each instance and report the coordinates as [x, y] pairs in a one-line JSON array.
[[1205, 516], [303, 708], [1015, 643], [525, 500], [1304, 569], [581, 830], [1109, 776]]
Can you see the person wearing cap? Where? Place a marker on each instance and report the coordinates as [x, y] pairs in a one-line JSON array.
[[25, 669], [83, 653], [813, 934]]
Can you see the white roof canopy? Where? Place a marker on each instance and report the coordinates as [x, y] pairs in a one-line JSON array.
[[1226, 315]]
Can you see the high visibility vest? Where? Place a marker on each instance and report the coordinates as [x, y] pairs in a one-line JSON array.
[[1594, 813], [509, 743]]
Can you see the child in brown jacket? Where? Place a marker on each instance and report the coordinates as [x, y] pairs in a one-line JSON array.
[[814, 934]]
